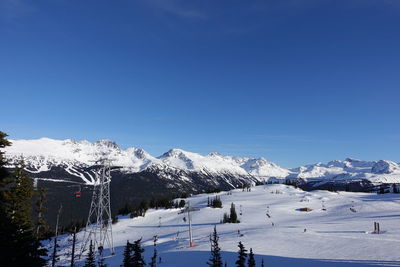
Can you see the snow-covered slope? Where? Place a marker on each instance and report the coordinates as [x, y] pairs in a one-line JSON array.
[[333, 237]]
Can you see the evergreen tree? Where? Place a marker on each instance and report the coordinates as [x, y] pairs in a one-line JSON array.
[[182, 203], [126, 209], [7, 228], [143, 207], [381, 190], [4, 175], [216, 202], [18, 246], [251, 262], [241, 261], [395, 189], [114, 219], [232, 218], [90, 261], [137, 250], [215, 258], [262, 263], [226, 219], [233, 215], [153, 203], [127, 261], [19, 198], [153, 262]]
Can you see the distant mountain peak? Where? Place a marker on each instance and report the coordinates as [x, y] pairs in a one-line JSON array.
[[107, 143], [140, 153], [352, 160], [174, 152], [215, 154], [385, 167]]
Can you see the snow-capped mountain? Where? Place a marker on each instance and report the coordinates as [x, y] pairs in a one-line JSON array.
[[375, 172], [75, 158], [214, 162], [43, 154]]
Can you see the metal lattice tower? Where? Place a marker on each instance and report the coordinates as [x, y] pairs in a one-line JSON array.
[[98, 227]]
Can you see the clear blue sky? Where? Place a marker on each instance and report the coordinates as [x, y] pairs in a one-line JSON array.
[[293, 81]]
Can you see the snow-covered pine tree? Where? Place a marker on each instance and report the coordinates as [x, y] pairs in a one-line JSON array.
[[215, 258], [137, 250], [251, 262], [241, 261], [90, 261]]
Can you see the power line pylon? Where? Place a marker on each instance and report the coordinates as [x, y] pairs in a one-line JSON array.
[[98, 226]]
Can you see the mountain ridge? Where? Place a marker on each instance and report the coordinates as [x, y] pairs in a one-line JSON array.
[[40, 155]]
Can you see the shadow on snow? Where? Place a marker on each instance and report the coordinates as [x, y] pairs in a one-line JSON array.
[[200, 258]]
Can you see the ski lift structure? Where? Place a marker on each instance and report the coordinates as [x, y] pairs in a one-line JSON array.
[[78, 191], [98, 226], [188, 209]]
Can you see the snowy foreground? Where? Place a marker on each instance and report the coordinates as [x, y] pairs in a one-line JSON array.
[[335, 237]]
